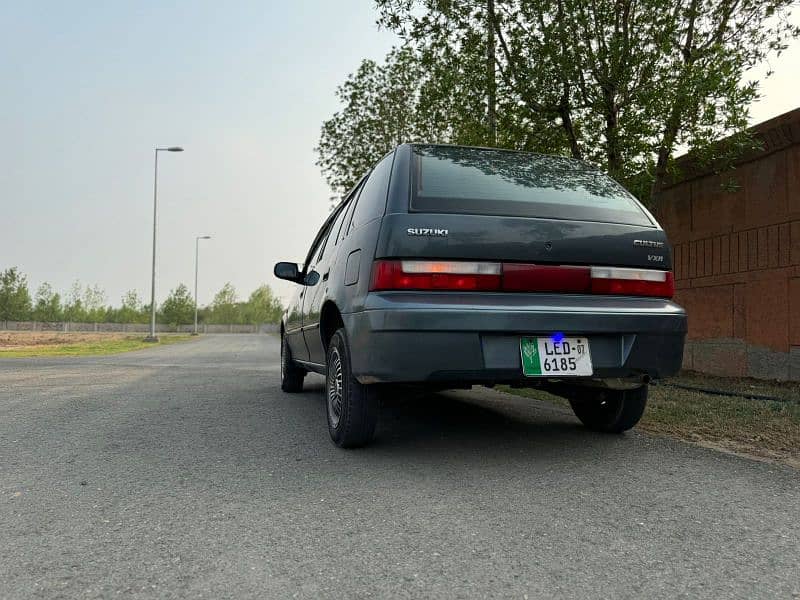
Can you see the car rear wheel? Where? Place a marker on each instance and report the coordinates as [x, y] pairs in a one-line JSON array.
[[610, 411], [291, 375], [352, 407]]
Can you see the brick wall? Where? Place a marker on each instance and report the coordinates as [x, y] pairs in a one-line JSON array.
[[736, 254]]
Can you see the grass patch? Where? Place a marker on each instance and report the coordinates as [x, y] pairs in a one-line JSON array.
[[19, 345], [767, 429], [764, 429]]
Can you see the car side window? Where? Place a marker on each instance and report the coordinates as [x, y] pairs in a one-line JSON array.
[[317, 245], [372, 200], [322, 245], [349, 216], [316, 251], [333, 233]]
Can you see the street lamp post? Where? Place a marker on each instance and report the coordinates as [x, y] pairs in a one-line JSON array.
[[153, 337], [196, 262]]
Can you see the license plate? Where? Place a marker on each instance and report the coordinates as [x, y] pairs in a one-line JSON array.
[[545, 357]]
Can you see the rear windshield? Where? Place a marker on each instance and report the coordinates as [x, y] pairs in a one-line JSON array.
[[481, 181]]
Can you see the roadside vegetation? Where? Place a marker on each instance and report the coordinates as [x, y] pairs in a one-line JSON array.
[[766, 429], [28, 344], [87, 304], [621, 84]]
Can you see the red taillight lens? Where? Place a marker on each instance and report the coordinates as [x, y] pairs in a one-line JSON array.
[[435, 275], [633, 282], [515, 277]]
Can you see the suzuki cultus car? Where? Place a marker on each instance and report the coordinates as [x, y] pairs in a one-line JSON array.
[[451, 266]]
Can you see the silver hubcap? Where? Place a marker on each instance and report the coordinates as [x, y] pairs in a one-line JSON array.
[[335, 388]]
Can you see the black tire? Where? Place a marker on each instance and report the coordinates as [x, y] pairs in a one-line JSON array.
[[610, 411], [352, 407], [291, 374]]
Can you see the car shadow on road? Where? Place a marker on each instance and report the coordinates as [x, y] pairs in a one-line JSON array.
[[479, 419]]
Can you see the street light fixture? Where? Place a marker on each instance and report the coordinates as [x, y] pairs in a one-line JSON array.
[[196, 260], [153, 337]]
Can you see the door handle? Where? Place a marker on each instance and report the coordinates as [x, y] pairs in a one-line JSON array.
[[325, 277]]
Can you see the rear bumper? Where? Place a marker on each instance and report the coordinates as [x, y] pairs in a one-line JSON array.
[[413, 337]]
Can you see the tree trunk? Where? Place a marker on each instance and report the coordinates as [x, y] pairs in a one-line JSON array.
[[565, 112], [491, 82], [662, 161], [613, 156], [673, 124]]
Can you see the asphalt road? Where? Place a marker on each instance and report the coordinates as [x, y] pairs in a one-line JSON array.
[[183, 471]]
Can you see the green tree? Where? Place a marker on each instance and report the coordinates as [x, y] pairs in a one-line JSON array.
[[178, 308], [410, 97], [262, 307], [134, 309], [94, 300], [379, 113], [47, 307], [85, 304], [74, 309], [225, 307], [131, 310], [15, 299], [621, 83]]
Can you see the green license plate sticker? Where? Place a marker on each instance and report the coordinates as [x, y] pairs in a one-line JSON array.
[[545, 357]]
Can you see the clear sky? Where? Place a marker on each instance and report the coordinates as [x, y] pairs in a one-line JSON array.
[[90, 88]]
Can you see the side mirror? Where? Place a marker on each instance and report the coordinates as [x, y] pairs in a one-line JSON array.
[[288, 271]]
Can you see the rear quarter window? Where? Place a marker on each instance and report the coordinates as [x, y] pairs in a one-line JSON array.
[[450, 179], [372, 200], [331, 240]]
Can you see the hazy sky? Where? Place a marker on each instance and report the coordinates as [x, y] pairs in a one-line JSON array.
[[90, 88]]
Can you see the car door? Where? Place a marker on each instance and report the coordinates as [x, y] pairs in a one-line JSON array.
[[315, 295], [294, 314], [294, 322]]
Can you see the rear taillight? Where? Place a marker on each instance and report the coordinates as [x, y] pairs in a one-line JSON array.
[[435, 275], [632, 282], [515, 277]]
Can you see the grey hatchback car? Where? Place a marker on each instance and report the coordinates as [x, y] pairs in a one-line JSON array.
[[451, 266]]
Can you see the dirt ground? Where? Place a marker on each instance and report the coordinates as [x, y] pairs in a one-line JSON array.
[[18, 340]]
